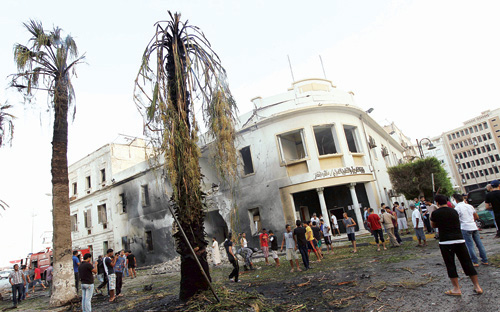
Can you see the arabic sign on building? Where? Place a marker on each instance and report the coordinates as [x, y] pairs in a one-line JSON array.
[[337, 172]]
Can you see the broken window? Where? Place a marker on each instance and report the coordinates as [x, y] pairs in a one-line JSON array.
[[144, 195], [326, 139], [88, 183], [75, 188], [351, 135], [123, 203], [246, 157], [149, 241], [87, 216], [255, 220], [103, 175], [102, 216], [74, 223], [292, 146]]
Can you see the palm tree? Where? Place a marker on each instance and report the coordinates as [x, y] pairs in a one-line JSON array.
[[179, 69], [6, 125], [50, 59]]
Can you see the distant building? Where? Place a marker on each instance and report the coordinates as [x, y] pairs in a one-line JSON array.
[[440, 152], [473, 149]]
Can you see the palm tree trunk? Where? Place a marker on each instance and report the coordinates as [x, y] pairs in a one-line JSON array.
[[63, 290]]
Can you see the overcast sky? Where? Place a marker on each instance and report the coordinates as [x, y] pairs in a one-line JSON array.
[[426, 65]]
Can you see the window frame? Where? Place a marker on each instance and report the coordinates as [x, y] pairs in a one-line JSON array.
[[242, 171], [282, 159], [336, 142], [357, 139]]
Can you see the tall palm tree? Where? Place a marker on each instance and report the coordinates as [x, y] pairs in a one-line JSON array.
[[6, 125], [179, 69], [47, 63]]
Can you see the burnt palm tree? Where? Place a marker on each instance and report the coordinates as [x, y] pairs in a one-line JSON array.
[[179, 72], [6, 125], [47, 63]]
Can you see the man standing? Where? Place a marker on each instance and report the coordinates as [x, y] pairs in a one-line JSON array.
[[289, 243], [17, 281], [119, 267], [314, 218], [274, 247], [109, 264], [451, 244], [430, 209], [310, 240], [228, 244], [376, 228], [101, 274], [299, 235], [264, 244], [317, 238], [26, 274], [131, 264], [48, 277], [387, 219], [425, 215], [350, 227], [335, 225], [76, 264], [402, 223], [86, 272], [418, 225], [493, 202], [468, 215], [489, 189], [328, 237]]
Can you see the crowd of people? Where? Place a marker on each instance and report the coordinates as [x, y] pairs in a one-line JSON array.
[[451, 221]]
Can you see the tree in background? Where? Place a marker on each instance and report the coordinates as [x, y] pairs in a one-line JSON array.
[[179, 69], [6, 125], [50, 59], [414, 179]]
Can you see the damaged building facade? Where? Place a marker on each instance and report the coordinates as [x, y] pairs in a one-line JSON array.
[[309, 150]]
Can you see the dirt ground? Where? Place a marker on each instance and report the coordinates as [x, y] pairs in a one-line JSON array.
[[399, 279]]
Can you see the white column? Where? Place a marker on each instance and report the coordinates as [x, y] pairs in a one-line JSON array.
[[322, 203], [356, 206]]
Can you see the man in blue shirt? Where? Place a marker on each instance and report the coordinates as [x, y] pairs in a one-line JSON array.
[[76, 263], [118, 268]]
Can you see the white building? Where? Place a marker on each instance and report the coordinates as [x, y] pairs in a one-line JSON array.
[[440, 153]]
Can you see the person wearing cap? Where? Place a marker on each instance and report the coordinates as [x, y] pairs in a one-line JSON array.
[[451, 244], [264, 244], [492, 201]]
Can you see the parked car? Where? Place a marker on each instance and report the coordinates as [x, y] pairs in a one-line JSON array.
[[476, 199]]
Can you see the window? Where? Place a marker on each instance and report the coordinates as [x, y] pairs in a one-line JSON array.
[[74, 223], [102, 215], [87, 216], [105, 246], [480, 127], [478, 150], [453, 147], [475, 129], [453, 135], [255, 221], [496, 169], [490, 170], [463, 165], [485, 125], [482, 161], [465, 143], [488, 148], [123, 203], [125, 243], [449, 137], [479, 139], [484, 137], [352, 139], [492, 159], [467, 176], [476, 174], [88, 183], [461, 144], [466, 131], [326, 139], [103, 175], [471, 130], [474, 152], [74, 187], [477, 162], [246, 157], [468, 165], [144, 195], [483, 149], [493, 147], [489, 135], [497, 157], [462, 132], [292, 146], [487, 159], [149, 241]]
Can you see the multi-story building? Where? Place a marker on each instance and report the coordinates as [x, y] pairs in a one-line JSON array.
[[473, 148], [409, 149], [439, 151]]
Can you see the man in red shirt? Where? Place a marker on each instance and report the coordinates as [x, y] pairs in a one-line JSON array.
[[264, 244], [376, 227], [38, 279]]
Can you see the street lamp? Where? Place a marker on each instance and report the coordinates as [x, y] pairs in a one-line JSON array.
[[419, 145]]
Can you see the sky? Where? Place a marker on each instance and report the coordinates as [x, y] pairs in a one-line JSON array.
[[425, 65]]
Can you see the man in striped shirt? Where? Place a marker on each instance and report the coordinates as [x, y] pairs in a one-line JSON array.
[[17, 280]]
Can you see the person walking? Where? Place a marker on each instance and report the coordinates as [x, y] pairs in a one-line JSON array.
[[418, 225], [76, 264], [109, 264], [119, 267], [26, 273], [376, 228], [48, 277], [395, 224], [299, 236], [86, 273], [310, 240], [387, 219], [264, 244], [101, 275], [17, 280], [132, 264], [274, 248], [228, 245], [291, 251], [451, 244], [350, 226], [468, 215], [492, 201], [317, 238], [401, 215], [37, 279], [215, 252]]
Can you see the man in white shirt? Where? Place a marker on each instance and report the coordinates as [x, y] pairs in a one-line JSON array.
[[418, 225], [314, 218], [335, 225], [468, 215]]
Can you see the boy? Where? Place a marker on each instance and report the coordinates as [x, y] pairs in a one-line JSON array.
[[264, 245], [274, 247], [289, 243], [376, 227]]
